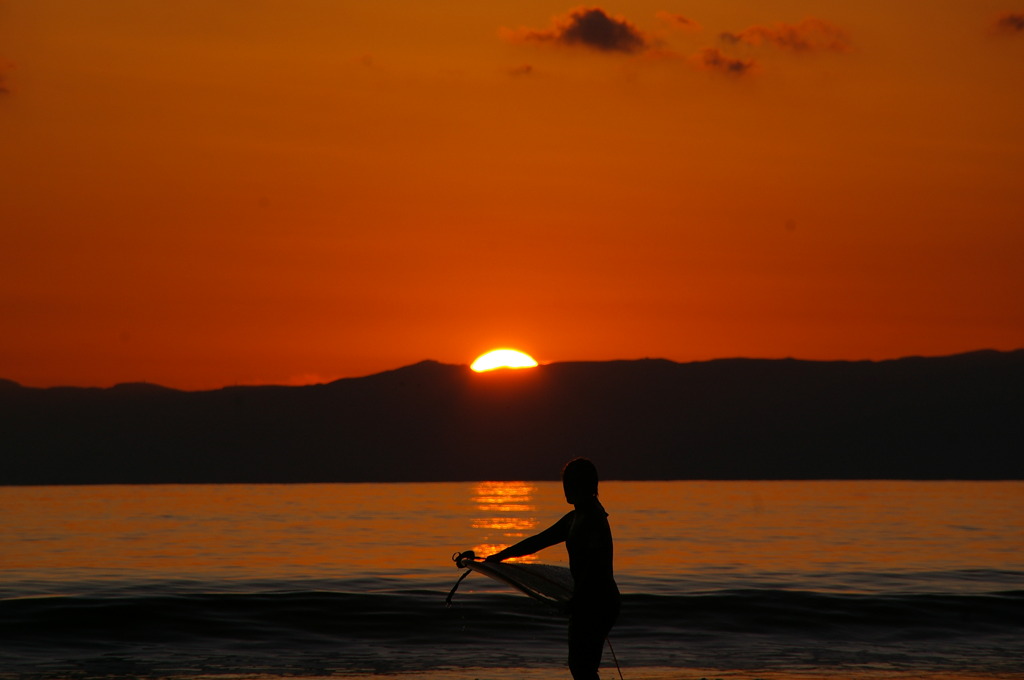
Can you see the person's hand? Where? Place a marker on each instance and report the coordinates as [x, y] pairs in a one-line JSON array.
[[460, 558]]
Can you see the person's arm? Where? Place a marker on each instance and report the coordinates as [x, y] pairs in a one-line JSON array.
[[556, 533]]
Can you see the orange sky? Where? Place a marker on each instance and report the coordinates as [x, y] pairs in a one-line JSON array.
[[202, 193]]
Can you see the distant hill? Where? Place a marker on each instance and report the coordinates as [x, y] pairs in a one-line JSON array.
[[957, 417]]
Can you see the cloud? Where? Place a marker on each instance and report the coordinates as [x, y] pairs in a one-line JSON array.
[[712, 59], [1011, 22], [588, 27], [678, 21], [809, 35], [524, 70], [5, 66]]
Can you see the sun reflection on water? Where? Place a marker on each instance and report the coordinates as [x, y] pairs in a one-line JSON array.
[[508, 508]]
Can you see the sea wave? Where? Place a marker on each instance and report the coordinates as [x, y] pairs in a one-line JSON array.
[[416, 614], [338, 632], [819, 615]]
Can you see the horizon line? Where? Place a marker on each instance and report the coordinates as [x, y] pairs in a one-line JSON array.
[[14, 384]]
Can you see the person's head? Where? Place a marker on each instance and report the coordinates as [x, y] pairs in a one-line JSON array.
[[579, 480]]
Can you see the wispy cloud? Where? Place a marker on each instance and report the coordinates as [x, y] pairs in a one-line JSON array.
[[588, 27], [712, 59], [1010, 22], [809, 35], [678, 21], [5, 67], [595, 29]]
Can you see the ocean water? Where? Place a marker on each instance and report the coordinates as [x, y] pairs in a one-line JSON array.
[[777, 580]]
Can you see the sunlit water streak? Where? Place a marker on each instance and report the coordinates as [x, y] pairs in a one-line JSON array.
[[766, 578]]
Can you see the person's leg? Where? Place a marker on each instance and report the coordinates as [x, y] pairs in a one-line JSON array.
[[587, 633], [586, 645]]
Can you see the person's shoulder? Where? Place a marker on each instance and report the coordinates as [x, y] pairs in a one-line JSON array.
[[594, 510]]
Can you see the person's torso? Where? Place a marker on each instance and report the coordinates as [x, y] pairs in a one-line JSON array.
[[591, 552]]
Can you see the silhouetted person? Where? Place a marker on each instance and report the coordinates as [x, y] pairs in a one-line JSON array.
[[594, 606]]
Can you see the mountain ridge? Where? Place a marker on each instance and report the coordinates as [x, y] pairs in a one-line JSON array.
[[954, 417]]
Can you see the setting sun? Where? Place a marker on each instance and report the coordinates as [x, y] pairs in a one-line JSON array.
[[502, 358]]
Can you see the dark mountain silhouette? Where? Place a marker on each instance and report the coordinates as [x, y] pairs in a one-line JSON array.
[[955, 417]]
